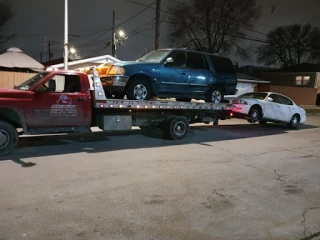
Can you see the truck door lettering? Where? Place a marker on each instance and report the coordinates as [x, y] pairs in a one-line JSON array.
[[63, 108]]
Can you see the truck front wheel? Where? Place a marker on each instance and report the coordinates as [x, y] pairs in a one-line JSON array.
[[8, 138]]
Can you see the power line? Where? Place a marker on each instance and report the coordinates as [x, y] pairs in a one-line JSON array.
[[144, 5], [124, 22], [103, 32], [249, 29], [131, 34], [143, 10], [56, 33], [249, 38]]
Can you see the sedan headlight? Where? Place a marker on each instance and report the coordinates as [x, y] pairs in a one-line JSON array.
[[116, 71]]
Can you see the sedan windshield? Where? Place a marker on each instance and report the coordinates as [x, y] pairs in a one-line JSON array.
[[155, 56], [254, 95], [30, 82]]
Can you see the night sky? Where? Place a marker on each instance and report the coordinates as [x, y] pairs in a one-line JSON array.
[[36, 20]]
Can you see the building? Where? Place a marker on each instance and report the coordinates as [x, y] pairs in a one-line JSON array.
[[301, 82], [16, 67], [304, 75], [247, 83]]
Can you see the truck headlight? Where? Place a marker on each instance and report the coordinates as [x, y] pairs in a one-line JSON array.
[[116, 71]]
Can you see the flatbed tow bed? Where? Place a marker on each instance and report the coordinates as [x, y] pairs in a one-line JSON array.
[[172, 117]]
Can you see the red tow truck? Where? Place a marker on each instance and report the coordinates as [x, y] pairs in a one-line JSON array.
[[62, 101]]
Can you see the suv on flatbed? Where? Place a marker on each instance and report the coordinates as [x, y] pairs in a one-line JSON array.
[[171, 73]]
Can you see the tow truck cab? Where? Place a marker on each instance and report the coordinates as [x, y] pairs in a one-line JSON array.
[[51, 101]]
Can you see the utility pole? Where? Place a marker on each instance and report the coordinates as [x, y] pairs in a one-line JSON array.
[[66, 31], [113, 35], [157, 33], [49, 46]]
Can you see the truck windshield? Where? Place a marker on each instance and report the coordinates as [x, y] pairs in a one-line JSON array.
[[155, 56], [254, 95], [30, 82]]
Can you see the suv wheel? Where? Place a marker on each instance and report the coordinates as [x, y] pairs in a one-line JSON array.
[[139, 89], [215, 95]]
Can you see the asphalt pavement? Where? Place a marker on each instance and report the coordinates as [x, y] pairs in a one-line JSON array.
[[233, 181]]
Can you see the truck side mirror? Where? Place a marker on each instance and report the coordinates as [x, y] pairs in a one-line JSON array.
[[168, 61]]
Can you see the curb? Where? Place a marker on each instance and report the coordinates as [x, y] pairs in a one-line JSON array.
[[313, 114]]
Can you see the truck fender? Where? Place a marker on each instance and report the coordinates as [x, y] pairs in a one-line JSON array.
[[14, 117]]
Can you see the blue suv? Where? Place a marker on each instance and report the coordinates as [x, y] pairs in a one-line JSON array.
[[172, 73]]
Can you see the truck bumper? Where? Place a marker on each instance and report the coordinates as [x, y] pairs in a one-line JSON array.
[[114, 83], [114, 89]]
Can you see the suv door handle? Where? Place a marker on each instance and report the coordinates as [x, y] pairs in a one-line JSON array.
[[81, 99]]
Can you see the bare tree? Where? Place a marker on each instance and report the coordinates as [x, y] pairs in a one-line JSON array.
[[6, 13], [315, 45], [289, 45], [211, 25]]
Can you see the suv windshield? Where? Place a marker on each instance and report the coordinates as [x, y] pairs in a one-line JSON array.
[[30, 82], [255, 95], [155, 56]]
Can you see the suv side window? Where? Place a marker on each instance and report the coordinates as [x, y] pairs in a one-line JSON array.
[[222, 65], [179, 59], [196, 61]]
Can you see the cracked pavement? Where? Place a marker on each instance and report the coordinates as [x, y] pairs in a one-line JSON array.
[[235, 181]]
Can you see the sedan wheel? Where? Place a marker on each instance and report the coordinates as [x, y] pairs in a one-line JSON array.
[[295, 121], [255, 114]]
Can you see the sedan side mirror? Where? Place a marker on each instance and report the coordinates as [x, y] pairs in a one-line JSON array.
[[168, 61], [269, 99]]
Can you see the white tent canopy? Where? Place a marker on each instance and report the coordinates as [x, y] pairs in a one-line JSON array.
[[16, 58], [88, 62]]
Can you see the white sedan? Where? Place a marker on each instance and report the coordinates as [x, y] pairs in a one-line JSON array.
[[266, 107]]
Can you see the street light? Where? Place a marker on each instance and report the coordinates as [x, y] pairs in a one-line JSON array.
[[117, 41], [73, 50], [121, 34]]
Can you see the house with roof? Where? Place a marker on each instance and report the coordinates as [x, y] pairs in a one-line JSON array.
[[16, 67], [247, 83], [300, 82], [304, 75]]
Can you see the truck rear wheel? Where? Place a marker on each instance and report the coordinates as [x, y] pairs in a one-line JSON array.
[[8, 138], [176, 128]]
